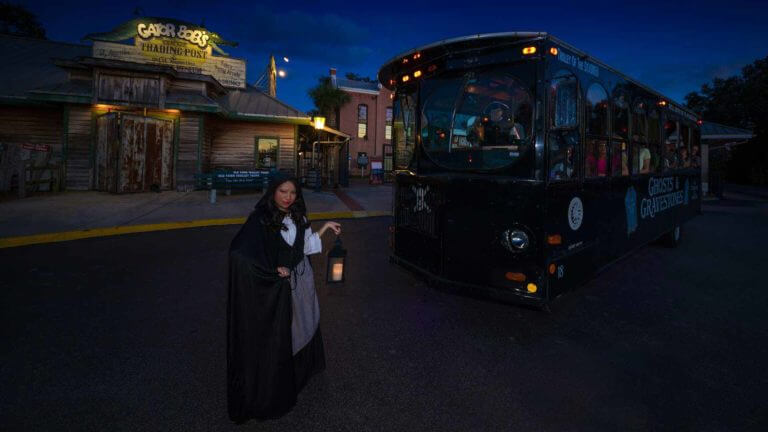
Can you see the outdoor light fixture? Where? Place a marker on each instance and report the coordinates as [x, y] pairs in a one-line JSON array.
[[319, 122], [336, 260], [285, 59]]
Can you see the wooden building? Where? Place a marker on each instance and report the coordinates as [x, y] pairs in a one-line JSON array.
[[147, 114]]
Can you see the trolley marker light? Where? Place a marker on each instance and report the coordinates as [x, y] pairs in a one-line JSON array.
[[552, 268], [405, 60], [553, 51], [406, 78], [517, 277], [417, 56], [417, 74], [529, 50], [432, 68], [532, 288], [554, 239], [662, 103]]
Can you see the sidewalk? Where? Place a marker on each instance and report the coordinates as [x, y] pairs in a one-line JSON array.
[[73, 215]]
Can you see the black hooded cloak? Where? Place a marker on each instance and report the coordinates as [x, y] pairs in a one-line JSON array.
[[263, 375]]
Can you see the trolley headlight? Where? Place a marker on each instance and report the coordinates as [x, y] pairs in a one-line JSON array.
[[515, 240]]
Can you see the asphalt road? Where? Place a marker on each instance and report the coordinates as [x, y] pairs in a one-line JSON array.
[[127, 333]]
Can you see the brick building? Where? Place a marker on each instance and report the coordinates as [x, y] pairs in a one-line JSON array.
[[367, 119]]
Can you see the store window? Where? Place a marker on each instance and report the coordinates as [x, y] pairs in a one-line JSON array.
[[388, 126], [266, 152], [362, 121]]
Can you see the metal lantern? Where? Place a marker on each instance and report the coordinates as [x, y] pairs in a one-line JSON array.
[[336, 260]]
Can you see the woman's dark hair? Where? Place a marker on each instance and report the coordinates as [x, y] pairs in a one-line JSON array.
[[273, 216]]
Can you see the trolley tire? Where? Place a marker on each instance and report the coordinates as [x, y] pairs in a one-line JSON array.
[[673, 238]]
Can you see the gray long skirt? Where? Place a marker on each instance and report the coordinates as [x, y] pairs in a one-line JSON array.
[[306, 311]]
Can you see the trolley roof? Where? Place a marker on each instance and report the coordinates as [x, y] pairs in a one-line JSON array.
[[464, 43]]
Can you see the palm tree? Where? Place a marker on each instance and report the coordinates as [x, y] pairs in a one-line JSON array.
[[328, 99]]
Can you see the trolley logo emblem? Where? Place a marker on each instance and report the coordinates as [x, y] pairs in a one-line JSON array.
[[630, 207], [575, 213], [421, 193]]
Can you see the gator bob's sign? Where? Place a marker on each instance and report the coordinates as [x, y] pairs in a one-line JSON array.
[[167, 42]]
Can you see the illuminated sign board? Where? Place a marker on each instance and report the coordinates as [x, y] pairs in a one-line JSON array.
[[182, 47]]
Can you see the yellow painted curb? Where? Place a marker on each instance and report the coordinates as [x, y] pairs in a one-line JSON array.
[[9, 242]]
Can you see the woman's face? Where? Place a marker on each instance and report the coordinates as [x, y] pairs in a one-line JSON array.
[[285, 195]]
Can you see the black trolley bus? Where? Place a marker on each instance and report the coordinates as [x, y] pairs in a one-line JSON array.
[[523, 165]]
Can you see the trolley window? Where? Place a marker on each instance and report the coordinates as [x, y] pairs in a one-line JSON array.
[[478, 121]]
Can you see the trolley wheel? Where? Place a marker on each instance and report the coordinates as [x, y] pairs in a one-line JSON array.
[[672, 238]]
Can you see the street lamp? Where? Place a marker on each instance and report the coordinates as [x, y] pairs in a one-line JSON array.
[[318, 122], [336, 261]]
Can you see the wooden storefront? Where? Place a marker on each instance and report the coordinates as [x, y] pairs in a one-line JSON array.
[[118, 122]]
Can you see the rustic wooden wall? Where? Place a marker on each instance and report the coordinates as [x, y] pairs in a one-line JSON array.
[[80, 138], [234, 141], [186, 167], [22, 125]]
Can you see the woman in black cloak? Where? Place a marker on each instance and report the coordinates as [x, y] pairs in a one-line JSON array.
[[274, 343]]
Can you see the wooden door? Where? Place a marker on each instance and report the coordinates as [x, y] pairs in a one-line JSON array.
[[107, 151], [133, 151], [159, 160]]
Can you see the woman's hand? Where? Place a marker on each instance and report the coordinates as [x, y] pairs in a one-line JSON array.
[[333, 226], [283, 271]]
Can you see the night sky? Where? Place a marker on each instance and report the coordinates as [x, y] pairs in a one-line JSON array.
[[673, 48]]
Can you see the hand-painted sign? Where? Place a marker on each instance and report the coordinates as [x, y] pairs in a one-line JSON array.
[[180, 55], [36, 147], [177, 44]]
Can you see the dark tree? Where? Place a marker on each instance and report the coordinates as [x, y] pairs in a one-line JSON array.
[[356, 77], [328, 99], [740, 101], [17, 20]]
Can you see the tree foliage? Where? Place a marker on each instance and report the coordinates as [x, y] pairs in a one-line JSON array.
[[740, 101], [327, 98], [18, 21], [355, 77]]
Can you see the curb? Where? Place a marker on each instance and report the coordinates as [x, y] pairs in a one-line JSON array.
[[9, 242]]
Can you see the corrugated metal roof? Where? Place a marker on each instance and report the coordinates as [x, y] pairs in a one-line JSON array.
[[358, 85], [254, 101], [27, 63], [716, 130], [189, 98]]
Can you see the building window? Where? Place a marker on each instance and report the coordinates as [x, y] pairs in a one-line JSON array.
[[266, 152], [362, 121], [388, 127]]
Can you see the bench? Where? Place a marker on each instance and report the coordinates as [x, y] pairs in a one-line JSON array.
[[233, 179]]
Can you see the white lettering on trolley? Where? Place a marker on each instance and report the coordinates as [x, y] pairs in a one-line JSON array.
[[578, 63], [421, 193], [663, 195]]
